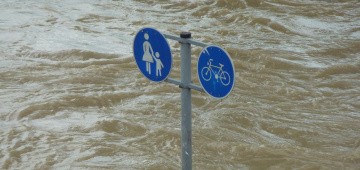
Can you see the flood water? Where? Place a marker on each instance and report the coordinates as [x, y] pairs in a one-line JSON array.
[[72, 97]]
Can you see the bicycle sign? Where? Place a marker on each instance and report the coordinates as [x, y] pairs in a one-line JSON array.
[[208, 71], [216, 71]]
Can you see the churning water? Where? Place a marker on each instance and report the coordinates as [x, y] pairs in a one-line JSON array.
[[71, 96]]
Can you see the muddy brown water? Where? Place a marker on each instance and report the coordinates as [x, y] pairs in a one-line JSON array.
[[71, 96]]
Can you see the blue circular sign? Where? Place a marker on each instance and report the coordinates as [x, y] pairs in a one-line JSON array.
[[216, 71], [152, 54]]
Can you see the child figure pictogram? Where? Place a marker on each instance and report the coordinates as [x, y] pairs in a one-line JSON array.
[[159, 64]]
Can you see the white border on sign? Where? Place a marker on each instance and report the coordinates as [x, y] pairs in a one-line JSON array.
[[232, 63], [171, 57]]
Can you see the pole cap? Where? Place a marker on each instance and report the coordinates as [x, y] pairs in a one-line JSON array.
[[185, 35]]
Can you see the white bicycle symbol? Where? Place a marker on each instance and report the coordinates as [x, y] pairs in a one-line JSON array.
[[207, 72]]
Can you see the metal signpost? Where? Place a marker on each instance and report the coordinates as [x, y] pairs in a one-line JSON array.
[[215, 71]]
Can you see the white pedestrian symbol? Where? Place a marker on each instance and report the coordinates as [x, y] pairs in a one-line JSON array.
[[149, 57], [219, 73], [148, 53]]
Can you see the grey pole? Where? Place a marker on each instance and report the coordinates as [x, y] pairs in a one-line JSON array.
[[185, 53]]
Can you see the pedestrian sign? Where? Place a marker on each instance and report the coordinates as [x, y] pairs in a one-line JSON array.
[[216, 71], [152, 54]]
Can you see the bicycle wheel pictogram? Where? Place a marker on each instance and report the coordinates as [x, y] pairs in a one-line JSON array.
[[206, 73], [225, 78]]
